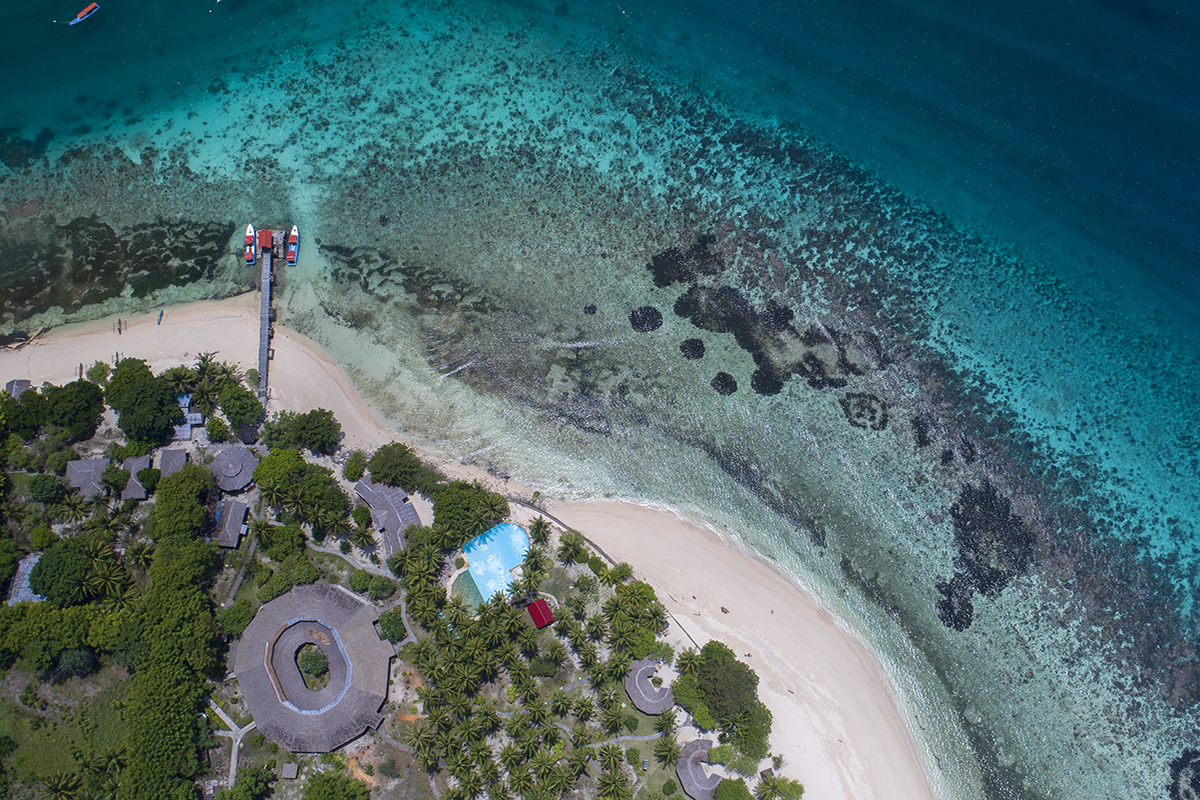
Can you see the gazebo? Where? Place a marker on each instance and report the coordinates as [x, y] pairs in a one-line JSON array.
[[233, 468]]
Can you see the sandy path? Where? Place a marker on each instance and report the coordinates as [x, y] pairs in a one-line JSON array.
[[836, 720]]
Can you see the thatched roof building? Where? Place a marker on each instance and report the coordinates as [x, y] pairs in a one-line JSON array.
[[693, 778], [390, 510], [233, 468], [285, 709], [649, 699]]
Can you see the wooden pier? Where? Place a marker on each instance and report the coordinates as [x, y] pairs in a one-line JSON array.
[[269, 244]]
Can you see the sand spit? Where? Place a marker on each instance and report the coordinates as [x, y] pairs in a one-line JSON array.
[[837, 723]]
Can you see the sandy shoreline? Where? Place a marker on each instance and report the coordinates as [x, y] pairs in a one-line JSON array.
[[836, 720]]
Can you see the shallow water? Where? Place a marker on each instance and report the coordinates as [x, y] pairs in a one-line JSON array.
[[945, 258]]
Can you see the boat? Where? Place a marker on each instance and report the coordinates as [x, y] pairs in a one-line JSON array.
[[293, 246], [87, 12], [251, 251]]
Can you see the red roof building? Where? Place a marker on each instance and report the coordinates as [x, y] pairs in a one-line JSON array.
[[541, 614]]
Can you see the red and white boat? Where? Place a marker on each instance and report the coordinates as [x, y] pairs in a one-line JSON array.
[[251, 250], [87, 12], [293, 249]]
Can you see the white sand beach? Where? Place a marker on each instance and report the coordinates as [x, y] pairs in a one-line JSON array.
[[837, 723]]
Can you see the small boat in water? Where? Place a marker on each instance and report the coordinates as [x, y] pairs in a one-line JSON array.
[[251, 251], [293, 246], [87, 12]]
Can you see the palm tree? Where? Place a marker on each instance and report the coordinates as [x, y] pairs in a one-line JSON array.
[[610, 757], [560, 703], [614, 786], [420, 734], [655, 617], [520, 780], [75, 508], [140, 555], [577, 762], [61, 786], [667, 750], [581, 736], [205, 394], [471, 784], [206, 366], [115, 759], [539, 714], [666, 722], [498, 791], [13, 511], [510, 757], [612, 718], [362, 538], [180, 379], [570, 544], [333, 523], [274, 494], [108, 580], [124, 600], [689, 662], [542, 762], [539, 531]]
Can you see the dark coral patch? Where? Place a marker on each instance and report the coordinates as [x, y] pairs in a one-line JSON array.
[[724, 383], [920, 427], [676, 266], [1185, 776], [767, 335], [645, 319], [692, 348], [590, 309], [994, 546], [864, 410]]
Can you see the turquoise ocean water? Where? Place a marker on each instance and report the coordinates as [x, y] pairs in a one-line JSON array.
[[900, 295]]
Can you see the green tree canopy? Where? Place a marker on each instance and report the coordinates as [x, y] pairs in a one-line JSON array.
[[76, 407], [128, 373], [281, 467], [60, 575], [46, 489], [149, 410], [240, 406], [315, 430], [252, 783], [467, 508], [334, 786], [730, 789], [179, 503], [730, 687], [396, 465]]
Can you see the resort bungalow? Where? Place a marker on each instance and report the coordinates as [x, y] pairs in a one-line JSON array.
[[233, 468], [231, 522], [391, 511], [134, 489], [17, 387], [540, 613], [171, 461], [191, 418], [85, 476]]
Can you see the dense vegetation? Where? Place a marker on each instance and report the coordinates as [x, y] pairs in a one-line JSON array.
[[721, 692], [316, 431]]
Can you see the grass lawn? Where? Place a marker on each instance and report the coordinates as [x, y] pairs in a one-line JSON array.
[[45, 739]]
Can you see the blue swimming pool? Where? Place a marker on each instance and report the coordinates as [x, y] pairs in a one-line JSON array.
[[493, 554]]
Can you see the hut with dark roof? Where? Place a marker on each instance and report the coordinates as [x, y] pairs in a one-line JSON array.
[[18, 387], [233, 468], [133, 488], [693, 778], [171, 461], [390, 510], [648, 698], [85, 476], [231, 522]]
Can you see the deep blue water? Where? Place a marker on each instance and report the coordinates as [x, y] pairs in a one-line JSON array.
[[945, 253]]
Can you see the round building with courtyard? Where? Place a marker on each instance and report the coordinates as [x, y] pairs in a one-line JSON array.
[[300, 719]]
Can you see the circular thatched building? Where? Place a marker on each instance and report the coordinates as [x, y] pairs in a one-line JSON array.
[[284, 708]]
